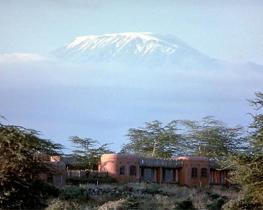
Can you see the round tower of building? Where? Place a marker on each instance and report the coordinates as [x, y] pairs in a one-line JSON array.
[[123, 167]]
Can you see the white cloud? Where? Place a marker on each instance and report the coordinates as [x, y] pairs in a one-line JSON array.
[[20, 57]]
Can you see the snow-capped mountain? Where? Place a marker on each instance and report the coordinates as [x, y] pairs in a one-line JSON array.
[[133, 47]]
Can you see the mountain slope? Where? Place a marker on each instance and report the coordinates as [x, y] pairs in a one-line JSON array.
[[133, 48]]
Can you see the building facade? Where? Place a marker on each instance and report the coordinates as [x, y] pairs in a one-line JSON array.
[[189, 171], [57, 173]]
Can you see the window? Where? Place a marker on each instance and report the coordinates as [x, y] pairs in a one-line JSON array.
[[122, 170], [204, 172], [194, 172], [132, 170]]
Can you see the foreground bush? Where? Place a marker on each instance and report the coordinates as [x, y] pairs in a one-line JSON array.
[[216, 201], [58, 204], [141, 196], [243, 204], [91, 180], [120, 204], [73, 193], [216, 204], [248, 170], [19, 168], [184, 205]]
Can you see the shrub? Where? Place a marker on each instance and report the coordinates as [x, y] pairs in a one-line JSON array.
[[73, 193], [29, 196], [58, 204], [242, 204], [217, 201], [184, 205], [131, 203], [152, 189], [217, 204], [91, 180], [212, 195], [47, 190], [20, 168], [116, 205]]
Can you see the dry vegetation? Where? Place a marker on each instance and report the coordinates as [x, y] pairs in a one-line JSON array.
[[142, 196]]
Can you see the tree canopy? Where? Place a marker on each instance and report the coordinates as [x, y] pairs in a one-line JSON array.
[[19, 166], [154, 139], [248, 165], [208, 137], [212, 138], [87, 152]]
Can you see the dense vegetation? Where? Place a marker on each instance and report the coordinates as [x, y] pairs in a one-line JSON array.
[[87, 152], [142, 196], [234, 147], [209, 137], [154, 140], [248, 165], [20, 166]]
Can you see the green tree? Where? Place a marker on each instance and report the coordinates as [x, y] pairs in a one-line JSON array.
[[20, 167], [154, 140], [87, 152], [212, 138], [248, 165]]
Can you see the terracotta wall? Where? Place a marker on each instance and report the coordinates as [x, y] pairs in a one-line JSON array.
[[218, 177], [185, 173], [112, 163]]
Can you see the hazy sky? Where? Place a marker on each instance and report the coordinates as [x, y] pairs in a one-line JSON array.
[[226, 29], [62, 101]]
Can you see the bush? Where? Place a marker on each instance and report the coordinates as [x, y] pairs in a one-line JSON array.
[[242, 204], [152, 189], [91, 180], [20, 168], [132, 203], [217, 201], [28, 196], [58, 204], [217, 204], [116, 205], [184, 205], [213, 196], [73, 193], [123, 203], [47, 190]]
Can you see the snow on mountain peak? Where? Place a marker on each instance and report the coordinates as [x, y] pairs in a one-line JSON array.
[[131, 47], [138, 43]]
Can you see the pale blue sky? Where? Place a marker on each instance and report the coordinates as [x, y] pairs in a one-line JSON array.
[[62, 101], [226, 29]]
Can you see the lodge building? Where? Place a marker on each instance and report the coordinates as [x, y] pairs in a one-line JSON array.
[[188, 171]]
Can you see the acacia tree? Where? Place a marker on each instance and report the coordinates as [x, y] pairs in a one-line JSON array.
[[87, 152], [154, 140], [19, 167], [248, 166], [212, 138]]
